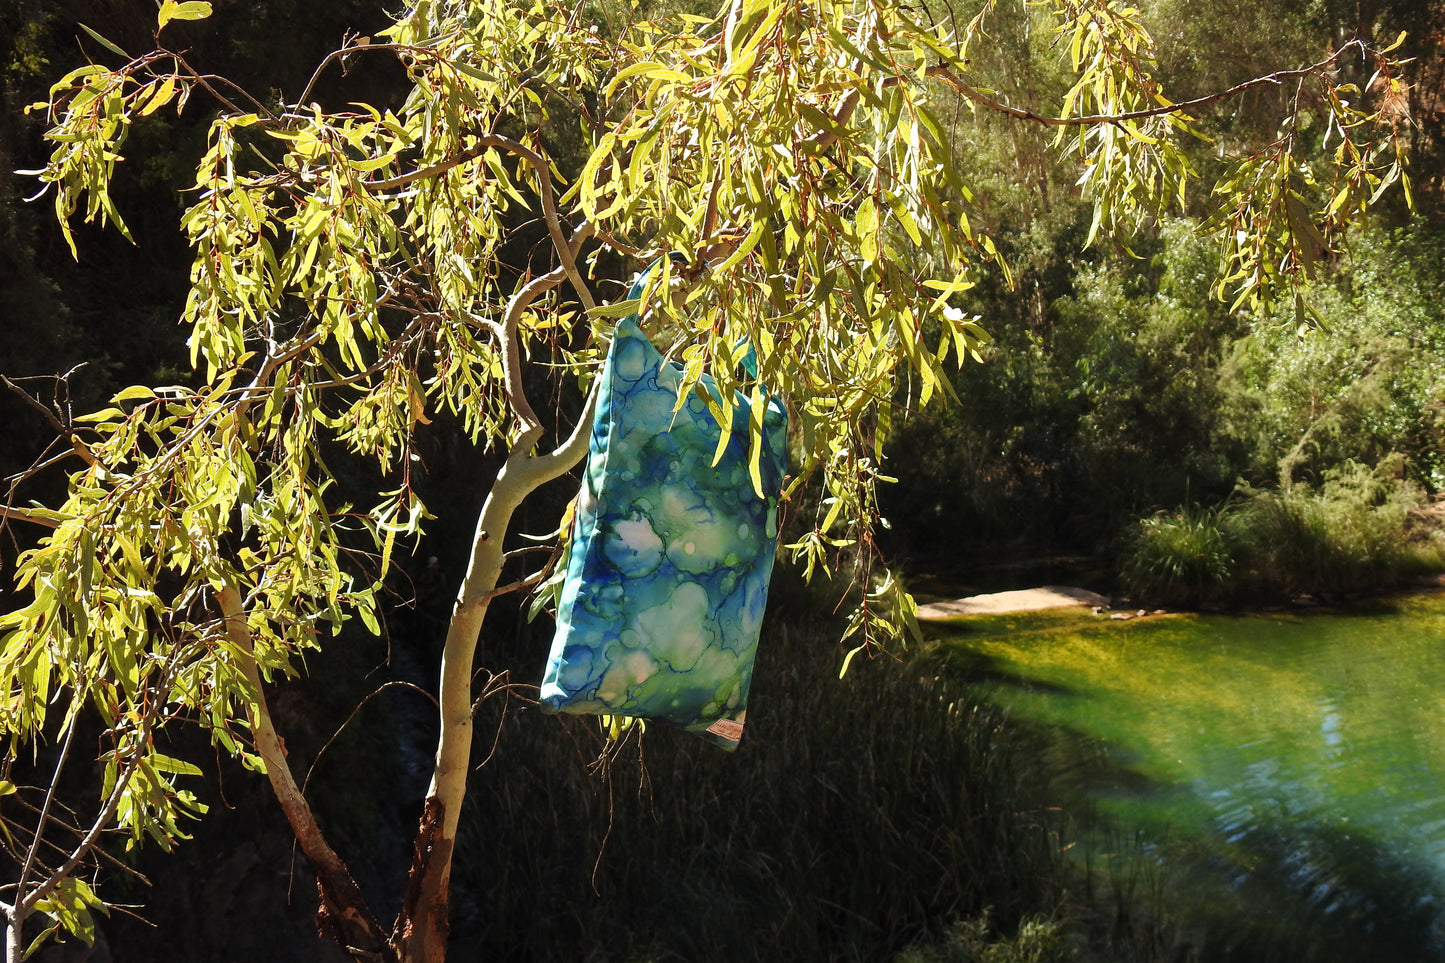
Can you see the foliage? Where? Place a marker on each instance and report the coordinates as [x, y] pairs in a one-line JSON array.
[[1125, 387], [1179, 558], [1367, 386], [1355, 532], [1101, 399], [352, 279], [973, 941]]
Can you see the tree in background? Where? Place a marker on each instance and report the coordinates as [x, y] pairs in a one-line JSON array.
[[351, 279]]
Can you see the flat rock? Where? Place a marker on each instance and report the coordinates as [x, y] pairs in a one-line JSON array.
[[1019, 600]]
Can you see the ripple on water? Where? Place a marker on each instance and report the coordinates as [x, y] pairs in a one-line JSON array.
[[1303, 755]]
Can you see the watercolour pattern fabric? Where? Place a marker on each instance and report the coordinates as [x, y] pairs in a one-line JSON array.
[[670, 555]]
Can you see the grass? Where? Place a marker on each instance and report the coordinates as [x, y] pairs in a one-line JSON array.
[[1179, 558], [860, 818], [1358, 531]]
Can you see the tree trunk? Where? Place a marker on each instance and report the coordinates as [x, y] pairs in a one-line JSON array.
[[420, 934]]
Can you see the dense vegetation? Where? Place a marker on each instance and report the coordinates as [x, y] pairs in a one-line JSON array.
[[1123, 409], [1126, 401]]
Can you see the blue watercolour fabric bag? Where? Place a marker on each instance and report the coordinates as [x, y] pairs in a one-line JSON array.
[[669, 556]]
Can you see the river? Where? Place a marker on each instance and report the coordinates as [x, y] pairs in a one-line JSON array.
[[1260, 787]]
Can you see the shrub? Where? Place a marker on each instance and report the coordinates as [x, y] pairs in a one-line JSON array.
[[1178, 558], [1361, 529], [1348, 535]]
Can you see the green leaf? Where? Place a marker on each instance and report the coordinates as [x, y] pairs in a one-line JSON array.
[[617, 309], [104, 414], [867, 225], [104, 42], [368, 618], [134, 393], [171, 764], [189, 10], [648, 69]]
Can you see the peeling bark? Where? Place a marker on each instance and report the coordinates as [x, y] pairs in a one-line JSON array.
[[421, 907]]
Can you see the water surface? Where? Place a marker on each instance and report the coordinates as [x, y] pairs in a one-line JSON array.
[[1278, 779]]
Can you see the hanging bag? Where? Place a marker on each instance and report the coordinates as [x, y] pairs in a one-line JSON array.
[[670, 551]]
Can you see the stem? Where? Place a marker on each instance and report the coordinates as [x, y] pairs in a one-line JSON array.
[[26, 515]]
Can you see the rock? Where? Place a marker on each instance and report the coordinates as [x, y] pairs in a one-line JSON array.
[[1022, 600]]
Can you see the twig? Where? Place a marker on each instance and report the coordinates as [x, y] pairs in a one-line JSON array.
[[335, 54], [81, 448], [1277, 78], [34, 849], [441, 167], [359, 706], [25, 515]]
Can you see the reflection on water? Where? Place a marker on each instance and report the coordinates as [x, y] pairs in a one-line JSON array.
[[1286, 771]]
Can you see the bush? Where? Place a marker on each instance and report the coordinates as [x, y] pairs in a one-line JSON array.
[[1349, 535], [1178, 558], [1362, 529], [1038, 940]]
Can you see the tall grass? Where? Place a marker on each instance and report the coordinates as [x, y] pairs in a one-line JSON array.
[[1359, 530], [1178, 558], [859, 817]]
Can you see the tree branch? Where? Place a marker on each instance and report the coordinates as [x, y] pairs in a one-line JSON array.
[[549, 210], [26, 515], [23, 901], [394, 683], [343, 908], [944, 72], [81, 448], [422, 173], [337, 54]]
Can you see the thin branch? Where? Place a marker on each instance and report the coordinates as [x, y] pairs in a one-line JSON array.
[[341, 898], [102, 819], [39, 465], [401, 180], [1277, 78], [512, 353], [626, 250], [520, 584], [34, 402], [336, 54], [201, 79], [561, 459], [549, 210], [81, 448], [33, 851], [531, 425], [262, 108], [76, 831], [359, 706], [25, 515]]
